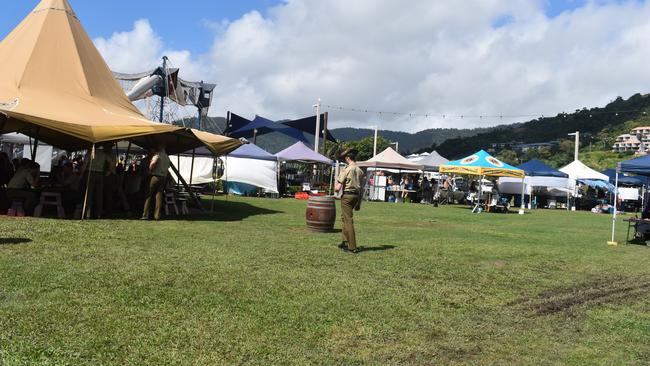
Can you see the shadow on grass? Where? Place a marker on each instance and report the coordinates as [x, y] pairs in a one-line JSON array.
[[223, 211], [14, 241], [228, 211], [376, 249]]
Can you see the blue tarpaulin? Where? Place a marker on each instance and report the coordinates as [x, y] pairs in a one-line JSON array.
[[598, 184], [265, 126], [536, 168]]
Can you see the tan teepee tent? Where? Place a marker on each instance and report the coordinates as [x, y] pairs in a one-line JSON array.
[[54, 85]]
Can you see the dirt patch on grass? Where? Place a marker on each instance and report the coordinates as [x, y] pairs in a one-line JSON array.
[[585, 295]]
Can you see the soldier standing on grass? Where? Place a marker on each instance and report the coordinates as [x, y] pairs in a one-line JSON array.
[[350, 183], [158, 170]]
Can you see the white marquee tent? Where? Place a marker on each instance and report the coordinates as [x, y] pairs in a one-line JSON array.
[[252, 165]]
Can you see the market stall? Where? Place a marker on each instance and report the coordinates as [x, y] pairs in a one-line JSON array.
[[483, 164], [388, 159]]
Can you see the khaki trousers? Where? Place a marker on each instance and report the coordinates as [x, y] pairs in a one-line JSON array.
[[155, 191], [348, 203]]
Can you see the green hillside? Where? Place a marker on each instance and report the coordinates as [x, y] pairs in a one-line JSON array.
[[605, 122]]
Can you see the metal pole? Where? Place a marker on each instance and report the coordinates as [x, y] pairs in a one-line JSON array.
[[325, 131], [317, 132], [201, 108], [226, 132], [374, 151], [613, 242], [192, 167], [577, 147], [90, 163], [166, 89], [200, 117], [255, 136], [523, 195]]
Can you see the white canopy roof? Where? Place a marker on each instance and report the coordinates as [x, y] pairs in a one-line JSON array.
[[389, 158], [577, 170]]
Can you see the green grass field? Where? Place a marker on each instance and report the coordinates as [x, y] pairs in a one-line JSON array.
[[250, 285]]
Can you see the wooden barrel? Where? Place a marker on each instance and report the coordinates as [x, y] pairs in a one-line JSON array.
[[321, 213]]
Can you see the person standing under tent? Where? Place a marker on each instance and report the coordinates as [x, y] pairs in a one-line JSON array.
[[158, 170], [21, 185], [102, 164], [349, 183]]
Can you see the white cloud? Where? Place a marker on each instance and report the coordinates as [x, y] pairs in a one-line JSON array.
[[436, 57]]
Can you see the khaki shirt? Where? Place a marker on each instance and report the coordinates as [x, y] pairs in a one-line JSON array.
[[162, 164], [102, 161], [23, 179], [352, 179]]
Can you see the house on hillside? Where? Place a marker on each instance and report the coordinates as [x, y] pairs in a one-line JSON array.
[[524, 148], [638, 141]]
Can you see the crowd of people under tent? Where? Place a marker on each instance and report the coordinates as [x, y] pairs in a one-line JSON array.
[[118, 182]]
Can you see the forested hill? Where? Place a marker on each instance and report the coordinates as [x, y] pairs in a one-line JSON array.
[[587, 121], [408, 142]]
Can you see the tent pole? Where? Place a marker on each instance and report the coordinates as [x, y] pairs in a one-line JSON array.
[[192, 167], [92, 156], [215, 167], [225, 172], [523, 195], [166, 90], [326, 116], [35, 145], [613, 242]]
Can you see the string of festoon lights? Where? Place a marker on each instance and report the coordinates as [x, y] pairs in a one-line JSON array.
[[475, 116]]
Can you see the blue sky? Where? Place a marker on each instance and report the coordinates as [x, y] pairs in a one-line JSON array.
[[103, 18], [188, 30]]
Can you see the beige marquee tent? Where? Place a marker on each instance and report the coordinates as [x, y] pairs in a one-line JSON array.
[[390, 159], [56, 87]]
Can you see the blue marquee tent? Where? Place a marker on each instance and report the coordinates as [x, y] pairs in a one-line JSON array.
[[639, 166], [536, 168], [625, 180]]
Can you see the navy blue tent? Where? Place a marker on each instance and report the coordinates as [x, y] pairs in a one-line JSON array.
[[623, 180], [308, 125], [535, 168], [638, 166], [264, 126], [236, 122]]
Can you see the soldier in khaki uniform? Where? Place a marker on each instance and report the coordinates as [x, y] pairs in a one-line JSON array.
[[158, 170], [350, 184]]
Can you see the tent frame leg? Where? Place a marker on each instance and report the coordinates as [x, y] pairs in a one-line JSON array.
[[92, 157], [613, 241]]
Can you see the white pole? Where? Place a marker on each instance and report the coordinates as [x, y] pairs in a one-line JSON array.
[[374, 151], [480, 192], [577, 145], [613, 242], [317, 135], [523, 195]]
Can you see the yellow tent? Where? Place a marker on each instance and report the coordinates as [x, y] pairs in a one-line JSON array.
[[54, 85]]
